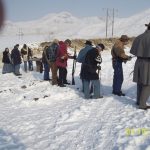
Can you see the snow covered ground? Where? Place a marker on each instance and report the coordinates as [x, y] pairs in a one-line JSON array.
[[34, 115]]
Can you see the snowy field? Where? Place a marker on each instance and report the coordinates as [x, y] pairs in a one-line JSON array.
[[34, 115]]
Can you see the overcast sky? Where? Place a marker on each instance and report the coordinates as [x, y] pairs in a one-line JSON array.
[[25, 10]]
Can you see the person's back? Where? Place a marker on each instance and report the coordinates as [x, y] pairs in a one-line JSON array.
[[52, 52], [52, 56], [141, 45], [89, 72], [141, 49], [83, 51], [90, 65]]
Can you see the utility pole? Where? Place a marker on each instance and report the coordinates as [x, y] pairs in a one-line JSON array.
[[106, 19], [113, 16], [106, 22], [20, 33], [113, 20]]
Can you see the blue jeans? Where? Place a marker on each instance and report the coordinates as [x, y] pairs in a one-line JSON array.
[[16, 69], [118, 76], [96, 88], [46, 71], [30, 63], [25, 66]]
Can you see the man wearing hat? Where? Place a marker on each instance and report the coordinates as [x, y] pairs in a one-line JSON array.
[[141, 49], [119, 56], [82, 54]]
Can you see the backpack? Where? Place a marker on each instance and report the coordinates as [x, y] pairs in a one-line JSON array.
[[52, 52]]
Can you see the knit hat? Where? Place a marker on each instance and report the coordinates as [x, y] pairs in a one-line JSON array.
[[100, 45]]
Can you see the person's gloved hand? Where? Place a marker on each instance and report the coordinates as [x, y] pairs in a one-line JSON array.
[[99, 67], [74, 57], [129, 58]]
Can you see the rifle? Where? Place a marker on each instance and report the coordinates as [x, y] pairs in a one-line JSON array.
[[74, 67]]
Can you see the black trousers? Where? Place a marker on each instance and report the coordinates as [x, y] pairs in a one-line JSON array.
[[62, 75]]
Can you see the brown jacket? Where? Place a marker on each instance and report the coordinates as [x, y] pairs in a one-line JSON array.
[[118, 51]]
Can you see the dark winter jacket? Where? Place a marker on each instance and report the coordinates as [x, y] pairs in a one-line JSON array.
[[89, 67], [16, 56], [52, 52], [45, 56], [6, 58]]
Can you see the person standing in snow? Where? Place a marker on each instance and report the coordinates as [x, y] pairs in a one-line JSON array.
[[52, 55], [118, 57], [7, 67], [89, 71], [45, 62], [16, 59], [61, 61], [141, 49], [30, 62], [81, 57], [26, 54]]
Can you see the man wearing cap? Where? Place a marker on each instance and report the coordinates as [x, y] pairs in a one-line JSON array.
[[89, 72], [141, 49], [119, 56], [82, 54]]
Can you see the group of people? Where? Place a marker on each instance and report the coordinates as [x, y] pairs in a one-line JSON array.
[[55, 57], [90, 59], [13, 59], [141, 74]]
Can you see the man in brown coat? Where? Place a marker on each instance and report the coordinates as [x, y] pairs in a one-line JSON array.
[[119, 56], [141, 49]]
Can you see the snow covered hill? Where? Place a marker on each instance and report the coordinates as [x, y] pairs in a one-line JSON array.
[[65, 24]]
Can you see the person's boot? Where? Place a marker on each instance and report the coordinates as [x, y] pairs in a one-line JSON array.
[[61, 85]]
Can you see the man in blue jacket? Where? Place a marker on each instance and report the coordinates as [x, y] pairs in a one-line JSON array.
[[81, 57]]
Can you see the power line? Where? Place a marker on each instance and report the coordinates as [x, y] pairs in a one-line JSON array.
[[110, 13]]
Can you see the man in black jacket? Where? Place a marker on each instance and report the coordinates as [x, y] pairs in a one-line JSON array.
[[90, 74], [16, 59]]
